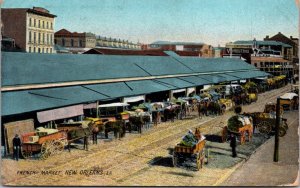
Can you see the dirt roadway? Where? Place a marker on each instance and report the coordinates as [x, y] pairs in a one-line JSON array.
[[137, 159]]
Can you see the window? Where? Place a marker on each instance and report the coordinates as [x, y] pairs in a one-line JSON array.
[[63, 42], [55, 41], [51, 41], [34, 37], [80, 43], [47, 25], [50, 50], [51, 25], [39, 23], [34, 50], [34, 22], [72, 42], [30, 22], [261, 64], [39, 50], [29, 49], [47, 38], [255, 64], [43, 24], [30, 37], [39, 38]]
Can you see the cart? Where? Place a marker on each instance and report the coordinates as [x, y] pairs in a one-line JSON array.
[[42, 143], [265, 122], [246, 130], [190, 156], [288, 101]]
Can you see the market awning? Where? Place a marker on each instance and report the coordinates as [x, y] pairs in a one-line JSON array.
[[196, 80], [116, 104], [248, 74], [175, 82], [60, 113], [134, 99]]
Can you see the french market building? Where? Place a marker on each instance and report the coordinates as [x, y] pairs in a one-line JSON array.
[[33, 83]]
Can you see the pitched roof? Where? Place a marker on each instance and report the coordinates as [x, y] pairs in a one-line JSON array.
[[109, 51], [179, 72]]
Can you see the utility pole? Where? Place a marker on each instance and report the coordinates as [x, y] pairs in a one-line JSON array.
[[276, 148]]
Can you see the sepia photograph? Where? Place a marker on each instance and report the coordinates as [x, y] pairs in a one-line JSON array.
[[149, 93]]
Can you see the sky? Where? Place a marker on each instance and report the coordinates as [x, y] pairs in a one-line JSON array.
[[214, 22]]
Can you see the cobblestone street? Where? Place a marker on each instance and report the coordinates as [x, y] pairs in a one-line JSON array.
[[141, 159]]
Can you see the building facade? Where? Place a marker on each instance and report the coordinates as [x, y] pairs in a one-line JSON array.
[[273, 65], [293, 42], [249, 48], [75, 42], [108, 42], [203, 50], [32, 29]]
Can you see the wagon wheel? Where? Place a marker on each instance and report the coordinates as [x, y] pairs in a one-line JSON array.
[[175, 159], [26, 154], [57, 147], [282, 131], [46, 149], [264, 127], [284, 125]]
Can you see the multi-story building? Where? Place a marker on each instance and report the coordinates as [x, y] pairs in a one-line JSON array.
[[270, 56], [202, 49], [75, 42], [32, 29], [293, 42], [273, 65], [108, 42], [249, 48]]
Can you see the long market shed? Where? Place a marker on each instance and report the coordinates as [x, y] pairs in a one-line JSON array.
[[34, 82]]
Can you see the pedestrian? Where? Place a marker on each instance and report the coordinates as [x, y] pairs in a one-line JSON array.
[[233, 144], [16, 146]]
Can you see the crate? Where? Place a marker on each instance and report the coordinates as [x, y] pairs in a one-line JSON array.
[[195, 149]]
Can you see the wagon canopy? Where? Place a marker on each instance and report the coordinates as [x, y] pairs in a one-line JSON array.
[[288, 96]]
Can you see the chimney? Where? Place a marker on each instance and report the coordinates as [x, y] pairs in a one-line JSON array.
[[267, 37], [279, 32], [291, 37]]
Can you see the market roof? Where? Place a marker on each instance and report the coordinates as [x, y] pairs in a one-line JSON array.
[[34, 68], [160, 73]]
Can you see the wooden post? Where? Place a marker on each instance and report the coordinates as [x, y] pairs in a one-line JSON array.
[[170, 95], [97, 109], [276, 149]]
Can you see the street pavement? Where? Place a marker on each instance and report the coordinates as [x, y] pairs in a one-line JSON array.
[[260, 170]]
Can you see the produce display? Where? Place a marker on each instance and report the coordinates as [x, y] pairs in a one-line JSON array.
[[236, 122], [189, 140]]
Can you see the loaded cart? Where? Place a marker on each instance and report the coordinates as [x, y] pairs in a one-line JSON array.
[[191, 156], [45, 142], [266, 122]]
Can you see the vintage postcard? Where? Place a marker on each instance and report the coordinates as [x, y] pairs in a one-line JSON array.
[[149, 93]]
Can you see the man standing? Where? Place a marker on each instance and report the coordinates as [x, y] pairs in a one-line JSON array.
[[17, 146], [233, 144]]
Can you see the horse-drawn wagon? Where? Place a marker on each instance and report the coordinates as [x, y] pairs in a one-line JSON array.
[[289, 101], [240, 125], [45, 142], [191, 154], [266, 122]]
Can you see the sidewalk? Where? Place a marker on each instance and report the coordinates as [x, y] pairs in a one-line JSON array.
[[260, 170]]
